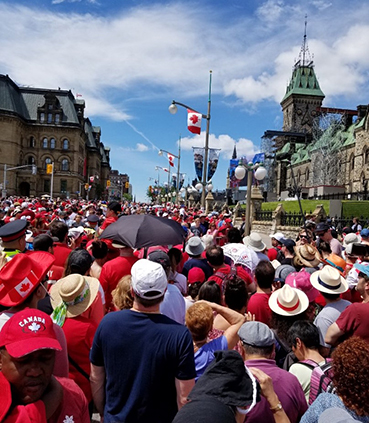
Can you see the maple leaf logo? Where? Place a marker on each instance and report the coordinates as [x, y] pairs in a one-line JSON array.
[[194, 119], [24, 287], [34, 327]]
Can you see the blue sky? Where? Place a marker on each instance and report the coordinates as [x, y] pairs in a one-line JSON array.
[[129, 59]]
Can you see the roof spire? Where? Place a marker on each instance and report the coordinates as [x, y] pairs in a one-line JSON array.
[[305, 58], [234, 155]]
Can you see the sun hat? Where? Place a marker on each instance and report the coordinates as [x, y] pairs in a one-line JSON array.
[[27, 331], [282, 271], [275, 263], [349, 239], [301, 280], [278, 236], [72, 295], [195, 275], [22, 275], [255, 242], [329, 280], [75, 233], [307, 254], [149, 280], [194, 246], [256, 334], [335, 261], [288, 301]]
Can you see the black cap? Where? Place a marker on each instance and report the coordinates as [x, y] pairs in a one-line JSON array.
[[13, 230], [160, 257], [115, 207], [321, 227], [93, 218], [288, 243]]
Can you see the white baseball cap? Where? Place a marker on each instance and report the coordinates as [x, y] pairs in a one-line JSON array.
[[149, 280]]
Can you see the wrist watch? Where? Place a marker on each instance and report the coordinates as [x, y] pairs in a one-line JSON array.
[[276, 408]]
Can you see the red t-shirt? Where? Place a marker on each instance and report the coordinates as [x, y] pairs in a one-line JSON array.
[[61, 253], [111, 273], [258, 305], [79, 333], [353, 321], [108, 221], [74, 407]]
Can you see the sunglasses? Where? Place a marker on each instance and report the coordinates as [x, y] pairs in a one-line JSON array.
[[303, 236]]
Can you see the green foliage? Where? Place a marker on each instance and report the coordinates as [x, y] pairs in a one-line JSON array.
[[127, 197], [355, 208], [293, 206]]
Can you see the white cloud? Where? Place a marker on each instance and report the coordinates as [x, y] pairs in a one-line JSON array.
[[225, 143], [150, 52], [321, 4], [140, 148]]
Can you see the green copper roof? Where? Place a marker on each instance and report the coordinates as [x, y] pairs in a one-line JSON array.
[[303, 82]]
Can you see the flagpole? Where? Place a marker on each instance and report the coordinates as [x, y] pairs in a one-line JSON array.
[[178, 167], [206, 146], [52, 180]]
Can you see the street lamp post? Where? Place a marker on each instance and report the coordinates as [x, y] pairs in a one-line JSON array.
[[161, 151], [173, 110], [260, 173]]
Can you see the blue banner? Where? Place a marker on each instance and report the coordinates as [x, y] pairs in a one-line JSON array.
[[259, 158]]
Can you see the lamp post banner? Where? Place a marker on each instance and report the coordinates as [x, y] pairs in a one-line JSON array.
[[213, 161], [174, 181], [259, 158], [198, 156], [233, 181], [194, 121], [181, 180]]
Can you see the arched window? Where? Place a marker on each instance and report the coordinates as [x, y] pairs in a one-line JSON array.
[[45, 143], [32, 142], [307, 176], [52, 143], [30, 160], [65, 144], [352, 161], [65, 164], [47, 161], [57, 118]]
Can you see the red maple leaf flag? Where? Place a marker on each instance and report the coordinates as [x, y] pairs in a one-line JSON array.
[[171, 159], [194, 121]]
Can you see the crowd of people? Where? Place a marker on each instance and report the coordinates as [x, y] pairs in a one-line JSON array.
[[187, 332]]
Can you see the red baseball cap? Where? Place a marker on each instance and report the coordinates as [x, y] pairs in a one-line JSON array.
[[21, 276], [28, 331], [195, 275]]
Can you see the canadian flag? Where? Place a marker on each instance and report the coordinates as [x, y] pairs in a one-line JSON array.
[[194, 121], [166, 169], [171, 159]]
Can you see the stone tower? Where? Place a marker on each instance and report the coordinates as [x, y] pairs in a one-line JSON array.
[[303, 94]]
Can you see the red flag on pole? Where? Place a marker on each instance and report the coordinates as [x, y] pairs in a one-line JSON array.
[[194, 121], [171, 159]]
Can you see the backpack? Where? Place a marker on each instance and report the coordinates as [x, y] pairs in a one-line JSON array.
[[321, 378], [222, 275]]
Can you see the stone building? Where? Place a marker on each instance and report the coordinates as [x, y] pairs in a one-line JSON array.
[[44, 126], [328, 147]]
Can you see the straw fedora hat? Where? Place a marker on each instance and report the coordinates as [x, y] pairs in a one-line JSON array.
[[255, 242], [76, 291], [308, 255], [329, 280], [288, 301]]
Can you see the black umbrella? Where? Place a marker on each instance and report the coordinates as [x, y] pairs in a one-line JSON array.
[[144, 230]]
